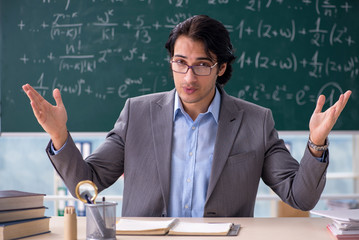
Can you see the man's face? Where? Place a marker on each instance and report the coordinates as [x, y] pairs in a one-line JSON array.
[[195, 92]]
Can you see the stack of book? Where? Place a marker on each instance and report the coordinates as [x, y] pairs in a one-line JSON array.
[[345, 223], [22, 214]]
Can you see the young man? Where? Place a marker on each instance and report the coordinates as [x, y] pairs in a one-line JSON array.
[[194, 151]]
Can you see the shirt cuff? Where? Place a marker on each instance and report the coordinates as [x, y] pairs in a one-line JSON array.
[[323, 158], [55, 152]]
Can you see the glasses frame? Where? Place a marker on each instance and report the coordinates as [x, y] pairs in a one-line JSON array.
[[188, 67]]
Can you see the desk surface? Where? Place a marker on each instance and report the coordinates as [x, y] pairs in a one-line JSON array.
[[251, 228]]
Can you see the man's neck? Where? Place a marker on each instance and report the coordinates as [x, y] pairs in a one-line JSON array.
[[194, 109]]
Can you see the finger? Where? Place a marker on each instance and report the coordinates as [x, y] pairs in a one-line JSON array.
[[35, 98], [333, 116], [38, 111], [346, 96], [320, 104], [26, 89], [341, 103], [32, 93], [57, 96]]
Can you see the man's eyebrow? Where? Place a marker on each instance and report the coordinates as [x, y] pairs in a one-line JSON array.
[[179, 55], [200, 58]]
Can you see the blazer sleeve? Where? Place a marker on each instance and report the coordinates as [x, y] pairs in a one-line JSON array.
[[298, 184], [104, 166]]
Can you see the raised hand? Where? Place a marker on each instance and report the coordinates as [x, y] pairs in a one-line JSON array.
[[321, 123], [51, 118]]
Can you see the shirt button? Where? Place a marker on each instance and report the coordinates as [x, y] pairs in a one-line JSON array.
[[186, 206], [188, 180], [193, 128], [190, 153]]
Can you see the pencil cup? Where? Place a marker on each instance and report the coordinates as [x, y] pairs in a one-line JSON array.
[[101, 221]]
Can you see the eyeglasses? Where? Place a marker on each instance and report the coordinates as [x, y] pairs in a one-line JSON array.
[[199, 70]]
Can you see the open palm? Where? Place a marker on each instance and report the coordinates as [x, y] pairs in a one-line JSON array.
[[52, 118], [321, 123]]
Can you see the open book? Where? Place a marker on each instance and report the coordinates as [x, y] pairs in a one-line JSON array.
[[143, 227], [174, 227]]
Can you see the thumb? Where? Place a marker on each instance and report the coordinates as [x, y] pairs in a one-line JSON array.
[[57, 96], [320, 104]]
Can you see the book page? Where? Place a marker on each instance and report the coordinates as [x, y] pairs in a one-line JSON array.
[[342, 215], [190, 228], [142, 225]]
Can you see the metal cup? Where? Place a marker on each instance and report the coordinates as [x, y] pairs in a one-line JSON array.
[[101, 221]]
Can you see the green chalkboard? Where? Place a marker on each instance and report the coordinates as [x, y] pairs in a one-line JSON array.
[[101, 52]]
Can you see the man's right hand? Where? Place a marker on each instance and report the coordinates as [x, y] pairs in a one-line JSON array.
[[51, 118]]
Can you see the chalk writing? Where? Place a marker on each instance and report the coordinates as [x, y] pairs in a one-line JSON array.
[[69, 26], [105, 51], [278, 93], [313, 66]]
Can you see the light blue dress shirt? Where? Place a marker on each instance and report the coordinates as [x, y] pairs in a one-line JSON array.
[[192, 155]]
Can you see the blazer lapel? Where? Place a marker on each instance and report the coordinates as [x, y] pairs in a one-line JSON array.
[[162, 125], [228, 126]]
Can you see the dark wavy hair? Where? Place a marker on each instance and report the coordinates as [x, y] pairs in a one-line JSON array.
[[212, 34]]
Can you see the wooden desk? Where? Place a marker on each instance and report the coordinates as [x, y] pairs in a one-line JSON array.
[[251, 229]]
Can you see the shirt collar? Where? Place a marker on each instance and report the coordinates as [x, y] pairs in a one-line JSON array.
[[213, 108]]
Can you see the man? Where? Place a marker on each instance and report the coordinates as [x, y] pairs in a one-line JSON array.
[[194, 151]]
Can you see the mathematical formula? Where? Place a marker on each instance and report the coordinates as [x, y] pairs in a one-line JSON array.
[[90, 42]]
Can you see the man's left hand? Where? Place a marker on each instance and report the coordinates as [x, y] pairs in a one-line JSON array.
[[321, 123]]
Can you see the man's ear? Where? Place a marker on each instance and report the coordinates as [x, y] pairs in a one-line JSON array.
[[222, 69]]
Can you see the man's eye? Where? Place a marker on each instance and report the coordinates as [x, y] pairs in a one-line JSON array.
[[204, 64], [180, 61]]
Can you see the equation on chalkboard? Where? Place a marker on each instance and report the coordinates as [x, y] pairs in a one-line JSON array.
[[101, 52]]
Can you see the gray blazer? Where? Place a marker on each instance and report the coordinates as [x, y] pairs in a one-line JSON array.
[[247, 148]]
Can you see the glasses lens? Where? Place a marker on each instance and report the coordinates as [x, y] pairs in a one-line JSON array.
[[201, 70], [197, 70], [179, 67]]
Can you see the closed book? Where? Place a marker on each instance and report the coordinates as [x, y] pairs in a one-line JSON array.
[[12, 199], [24, 228], [345, 225], [21, 214], [337, 231]]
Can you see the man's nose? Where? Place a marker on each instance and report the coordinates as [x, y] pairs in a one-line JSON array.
[[190, 76]]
